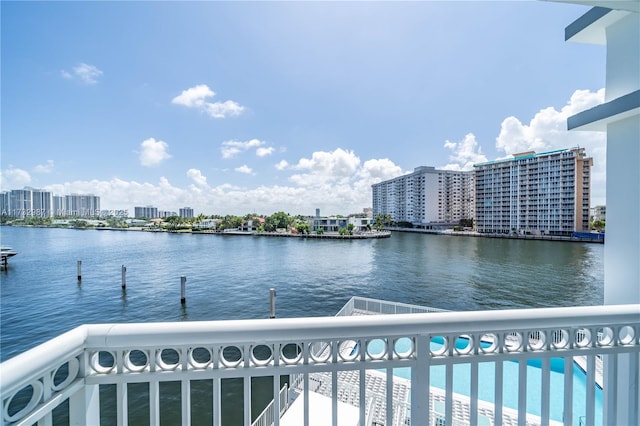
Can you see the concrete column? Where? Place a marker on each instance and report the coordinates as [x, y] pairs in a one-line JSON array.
[[622, 241]]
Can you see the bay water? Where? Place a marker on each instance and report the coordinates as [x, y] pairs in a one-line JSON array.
[[228, 277]]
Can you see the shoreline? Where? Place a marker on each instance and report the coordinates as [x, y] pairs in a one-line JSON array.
[[363, 236], [501, 236]]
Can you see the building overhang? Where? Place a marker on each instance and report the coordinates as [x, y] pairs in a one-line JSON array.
[[598, 117], [591, 27]]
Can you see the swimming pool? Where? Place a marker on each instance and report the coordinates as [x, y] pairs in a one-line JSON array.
[[486, 381]]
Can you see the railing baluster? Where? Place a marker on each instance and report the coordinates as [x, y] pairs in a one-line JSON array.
[[522, 392], [611, 396], [154, 402], [334, 399], [567, 416], [545, 390], [634, 393], [217, 401], [420, 393], [448, 409], [305, 393], [497, 413], [473, 392], [122, 407], [389, 399], [276, 399], [186, 401], [590, 402], [362, 387], [246, 387]]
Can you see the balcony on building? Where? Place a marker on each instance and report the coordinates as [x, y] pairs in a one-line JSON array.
[[380, 363]]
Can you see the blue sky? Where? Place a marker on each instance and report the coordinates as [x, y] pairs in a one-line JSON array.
[[239, 107]]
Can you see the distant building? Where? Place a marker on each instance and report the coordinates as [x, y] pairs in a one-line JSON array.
[[42, 203], [82, 205], [27, 202], [4, 203], [149, 212], [20, 203], [59, 205], [546, 193], [32, 202], [428, 197], [599, 213], [186, 212], [207, 224], [328, 224]]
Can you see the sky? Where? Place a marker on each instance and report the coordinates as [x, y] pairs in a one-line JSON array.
[[258, 107]]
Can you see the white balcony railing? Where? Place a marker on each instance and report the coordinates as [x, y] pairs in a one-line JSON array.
[[67, 372]]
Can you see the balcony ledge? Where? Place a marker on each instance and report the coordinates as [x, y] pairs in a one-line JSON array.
[[598, 117]]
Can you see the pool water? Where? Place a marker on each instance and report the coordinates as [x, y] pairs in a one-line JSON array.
[[486, 381]]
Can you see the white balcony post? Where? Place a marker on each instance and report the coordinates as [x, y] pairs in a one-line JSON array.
[[84, 405], [420, 383], [622, 249]]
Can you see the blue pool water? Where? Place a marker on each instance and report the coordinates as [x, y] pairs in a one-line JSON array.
[[486, 380]]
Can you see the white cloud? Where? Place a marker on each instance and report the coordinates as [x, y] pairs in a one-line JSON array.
[[195, 97], [44, 168], [282, 165], [547, 130], [374, 171], [197, 176], [223, 109], [153, 152], [333, 166], [85, 73], [232, 148], [264, 151], [244, 169], [347, 192], [14, 178], [465, 154]]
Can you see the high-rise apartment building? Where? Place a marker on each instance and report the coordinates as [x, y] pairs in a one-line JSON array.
[[149, 212], [4, 203], [82, 205], [186, 212], [546, 193], [19, 203], [41, 203], [427, 197], [32, 202], [59, 205]]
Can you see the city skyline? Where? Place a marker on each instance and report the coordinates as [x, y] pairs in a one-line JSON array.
[[233, 108]]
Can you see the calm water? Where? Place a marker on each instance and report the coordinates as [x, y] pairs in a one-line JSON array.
[[228, 277]]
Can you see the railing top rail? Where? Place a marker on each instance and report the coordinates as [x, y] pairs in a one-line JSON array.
[[319, 328], [115, 336]]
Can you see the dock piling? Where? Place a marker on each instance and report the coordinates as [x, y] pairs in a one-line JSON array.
[[124, 277], [183, 285], [79, 270], [272, 303]]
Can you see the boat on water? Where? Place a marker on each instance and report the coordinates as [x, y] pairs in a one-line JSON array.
[[7, 252]]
